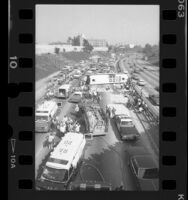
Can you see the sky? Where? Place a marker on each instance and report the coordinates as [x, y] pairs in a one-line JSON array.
[[128, 24]]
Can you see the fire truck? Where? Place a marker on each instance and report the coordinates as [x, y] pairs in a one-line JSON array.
[[44, 114], [94, 117]]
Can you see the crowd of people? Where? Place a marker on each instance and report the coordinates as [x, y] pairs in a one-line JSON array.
[[59, 128]]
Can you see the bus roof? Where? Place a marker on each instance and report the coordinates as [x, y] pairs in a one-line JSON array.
[[64, 86], [46, 107], [66, 150]]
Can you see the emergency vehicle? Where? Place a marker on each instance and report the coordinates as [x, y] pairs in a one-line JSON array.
[[94, 118], [109, 78], [95, 123], [64, 91], [62, 162], [44, 114]]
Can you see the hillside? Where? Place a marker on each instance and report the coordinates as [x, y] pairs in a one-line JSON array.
[[47, 64], [75, 56], [152, 52]]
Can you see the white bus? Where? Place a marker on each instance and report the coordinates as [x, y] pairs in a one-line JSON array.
[[44, 114], [63, 161], [64, 91], [109, 78]]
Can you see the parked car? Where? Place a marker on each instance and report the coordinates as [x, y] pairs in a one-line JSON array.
[[145, 172], [141, 82], [76, 97], [135, 77], [154, 99]]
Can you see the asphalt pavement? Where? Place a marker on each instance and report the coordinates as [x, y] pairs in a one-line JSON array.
[[105, 157]]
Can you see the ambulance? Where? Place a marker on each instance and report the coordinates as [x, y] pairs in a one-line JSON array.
[[63, 162], [44, 114], [64, 91]]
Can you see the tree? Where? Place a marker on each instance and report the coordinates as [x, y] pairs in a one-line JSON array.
[[87, 47], [57, 50], [69, 40], [110, 48], [76, 41], [147, 49]]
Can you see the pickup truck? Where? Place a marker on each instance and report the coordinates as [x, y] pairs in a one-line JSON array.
[[126, 128], [145, 171], [124, 122]]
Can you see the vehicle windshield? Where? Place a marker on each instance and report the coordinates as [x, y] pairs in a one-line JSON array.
[[76, 95], [151, 173], [126, 123], [60, 175], [61, 90], [41, 118], [58, 161]]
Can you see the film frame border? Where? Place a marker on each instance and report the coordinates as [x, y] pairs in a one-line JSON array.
[[21, 87]]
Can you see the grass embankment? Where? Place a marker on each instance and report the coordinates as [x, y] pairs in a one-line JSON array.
[[75, 56], [47, 64], [154, 60]]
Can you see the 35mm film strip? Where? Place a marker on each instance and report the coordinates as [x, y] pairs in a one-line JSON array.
[[22, 103]]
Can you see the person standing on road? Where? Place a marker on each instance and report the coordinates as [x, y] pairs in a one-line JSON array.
[[98, 98], [77, 109], [51, 138], [113, 112], [77, 128], [63, 129]]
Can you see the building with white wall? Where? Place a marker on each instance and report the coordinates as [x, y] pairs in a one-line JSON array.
[[46, 48]]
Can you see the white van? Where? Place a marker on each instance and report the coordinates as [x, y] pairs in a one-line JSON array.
[[44, 114], [64, 91], [63, 161]]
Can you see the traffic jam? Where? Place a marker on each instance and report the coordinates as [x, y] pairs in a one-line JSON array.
[[97, 126]]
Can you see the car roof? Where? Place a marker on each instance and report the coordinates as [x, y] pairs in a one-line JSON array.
[[77, 92], [145, 161]]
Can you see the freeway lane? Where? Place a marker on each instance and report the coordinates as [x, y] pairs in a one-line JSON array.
[[146, 71], [151, 84], [106, 154], [40, 151], [105, 157], [148, 76]]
